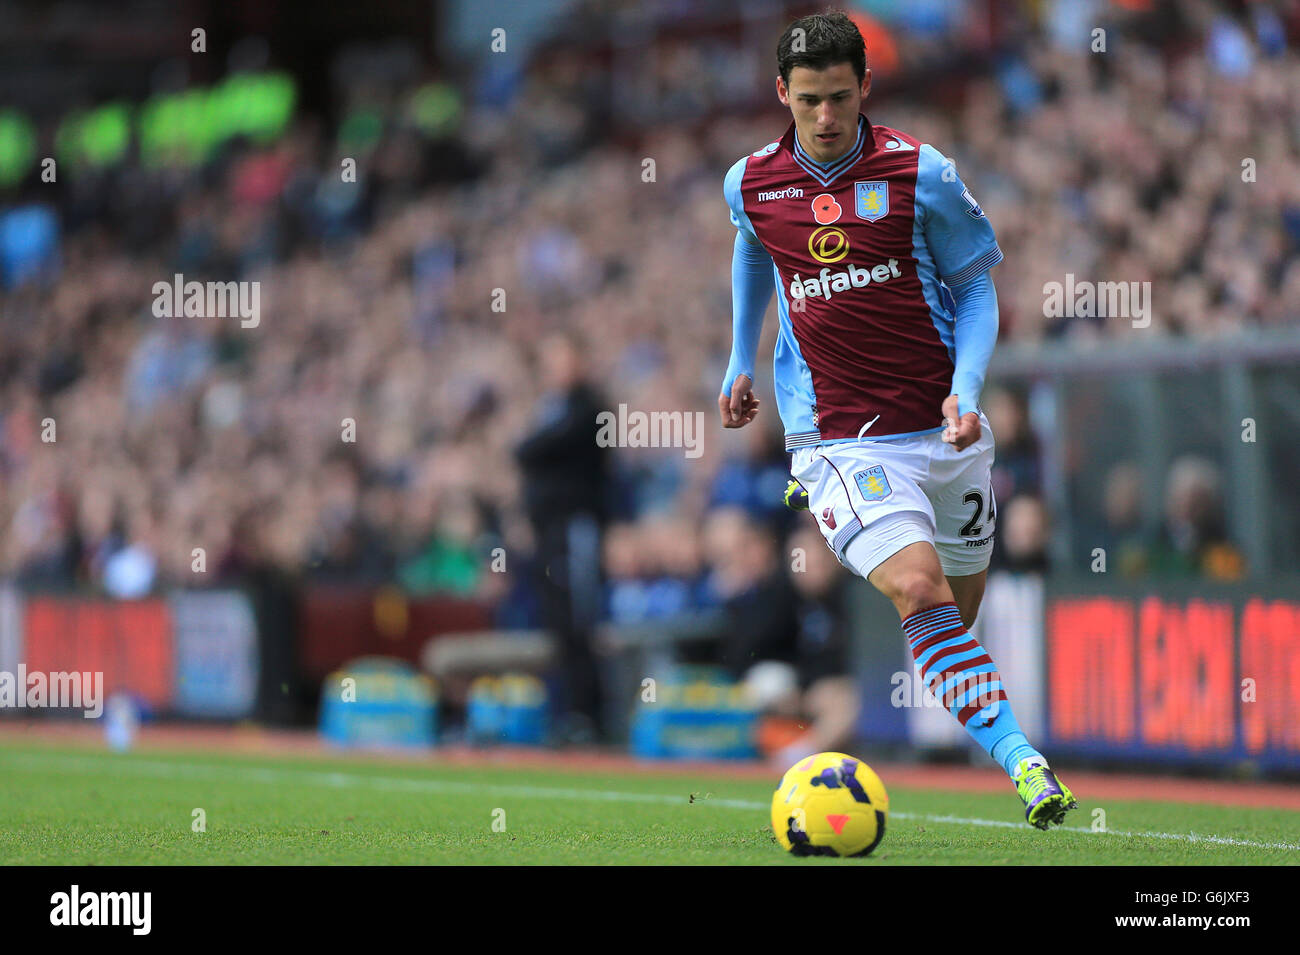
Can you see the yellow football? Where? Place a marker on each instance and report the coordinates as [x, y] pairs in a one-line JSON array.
[[830, 805]]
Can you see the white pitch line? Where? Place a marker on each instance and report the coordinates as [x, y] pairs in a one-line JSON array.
[[401, 784], [1181, 836]]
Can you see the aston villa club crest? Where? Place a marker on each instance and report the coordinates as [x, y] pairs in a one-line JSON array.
[[873, 484], [871, 200]]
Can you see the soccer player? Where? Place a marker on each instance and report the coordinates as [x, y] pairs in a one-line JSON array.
[[887, 319]]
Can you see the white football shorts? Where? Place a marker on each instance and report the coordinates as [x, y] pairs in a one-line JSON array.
[[881, 496]]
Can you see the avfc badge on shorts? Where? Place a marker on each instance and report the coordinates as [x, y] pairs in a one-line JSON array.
[[873, 484], [871, 200]]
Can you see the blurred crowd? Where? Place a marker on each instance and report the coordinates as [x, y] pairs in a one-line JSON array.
[[368, 427]]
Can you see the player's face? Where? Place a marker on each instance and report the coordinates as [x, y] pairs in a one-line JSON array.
[[825, 104]]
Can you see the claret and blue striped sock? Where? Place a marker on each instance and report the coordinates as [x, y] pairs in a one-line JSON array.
[[959, 672]]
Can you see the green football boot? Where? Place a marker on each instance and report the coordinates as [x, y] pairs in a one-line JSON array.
[[1046, 798], [796, 498]]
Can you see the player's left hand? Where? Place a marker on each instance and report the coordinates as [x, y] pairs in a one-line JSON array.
[[963, 432]]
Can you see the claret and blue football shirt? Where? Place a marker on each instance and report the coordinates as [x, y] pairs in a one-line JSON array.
[[880, 260]]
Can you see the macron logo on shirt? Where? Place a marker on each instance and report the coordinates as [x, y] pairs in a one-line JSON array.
[[827, 283], [790, 192]]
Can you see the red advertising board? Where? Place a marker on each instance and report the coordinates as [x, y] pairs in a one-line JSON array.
[[1270, 657], [1201, 675], [130, 642]]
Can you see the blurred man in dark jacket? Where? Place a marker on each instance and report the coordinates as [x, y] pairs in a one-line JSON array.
[[566, 477]]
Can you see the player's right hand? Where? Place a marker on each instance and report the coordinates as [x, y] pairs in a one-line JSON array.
[[740, 408]]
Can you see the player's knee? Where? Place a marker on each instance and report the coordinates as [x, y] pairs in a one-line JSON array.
[[915, 590]]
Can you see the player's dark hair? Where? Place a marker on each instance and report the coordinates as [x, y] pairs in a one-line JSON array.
[[824, 40]]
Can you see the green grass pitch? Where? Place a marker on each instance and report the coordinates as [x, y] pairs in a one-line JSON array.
[[78, 806]]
